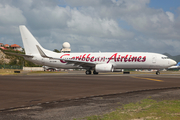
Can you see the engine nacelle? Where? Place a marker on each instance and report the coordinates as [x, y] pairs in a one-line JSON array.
[[104, 68]]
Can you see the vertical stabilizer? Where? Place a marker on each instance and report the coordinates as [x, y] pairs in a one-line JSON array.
[[29, 41], [178, 64]]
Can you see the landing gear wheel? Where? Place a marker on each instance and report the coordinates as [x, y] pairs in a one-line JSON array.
[[88, 72], [95, 73], [157, 72]]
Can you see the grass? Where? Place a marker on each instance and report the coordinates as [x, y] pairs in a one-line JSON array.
[[9, 71], [44, 72], [146, 72], [146, 109]]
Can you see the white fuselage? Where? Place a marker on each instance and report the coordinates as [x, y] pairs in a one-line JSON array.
[[121, 60], [99, 62]]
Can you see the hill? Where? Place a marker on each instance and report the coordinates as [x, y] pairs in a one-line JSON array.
[[176, 58], [9, 59], [3, 58]]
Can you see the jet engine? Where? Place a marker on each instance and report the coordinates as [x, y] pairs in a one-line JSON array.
[[104, 68]]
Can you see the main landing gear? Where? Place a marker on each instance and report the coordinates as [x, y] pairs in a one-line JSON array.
[[88, 72], [157, 72], [95, 73]]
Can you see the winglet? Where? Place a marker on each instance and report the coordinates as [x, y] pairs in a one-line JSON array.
[[178, 64], [41, 52]]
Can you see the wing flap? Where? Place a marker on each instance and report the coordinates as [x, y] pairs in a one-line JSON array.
[[68, 61]]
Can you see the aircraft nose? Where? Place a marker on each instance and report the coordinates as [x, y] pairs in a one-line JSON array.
[[172, 62]]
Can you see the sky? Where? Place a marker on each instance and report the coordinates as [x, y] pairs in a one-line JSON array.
[[95, 25]]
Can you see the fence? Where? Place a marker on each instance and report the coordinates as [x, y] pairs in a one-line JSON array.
[[4, 66]]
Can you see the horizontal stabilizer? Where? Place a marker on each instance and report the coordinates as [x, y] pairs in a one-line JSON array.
[[23, 55]]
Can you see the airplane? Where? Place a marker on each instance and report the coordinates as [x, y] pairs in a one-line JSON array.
[[175, 67], [96, 62]]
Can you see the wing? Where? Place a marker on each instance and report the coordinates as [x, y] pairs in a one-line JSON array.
[[77, 63]]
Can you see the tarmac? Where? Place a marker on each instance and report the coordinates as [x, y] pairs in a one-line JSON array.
[[19, 92]]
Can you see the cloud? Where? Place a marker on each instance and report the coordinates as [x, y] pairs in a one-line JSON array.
[[171, 16], [10, 18], [88, 25], [46, 18], [10, 15], [92, 25]]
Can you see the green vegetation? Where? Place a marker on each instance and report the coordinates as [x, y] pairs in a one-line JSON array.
[[56, 50], [146, 109], [176, 58], [9, 71], [45, 72], [15, 60]]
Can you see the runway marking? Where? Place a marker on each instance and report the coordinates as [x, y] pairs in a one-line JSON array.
[[148, 79]]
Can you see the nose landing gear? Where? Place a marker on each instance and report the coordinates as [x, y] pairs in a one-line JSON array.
[[157, 72]]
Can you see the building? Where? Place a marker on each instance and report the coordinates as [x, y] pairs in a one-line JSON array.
[[1, 44], [6, 45], [16, 47], [66, 48], [3, 48]]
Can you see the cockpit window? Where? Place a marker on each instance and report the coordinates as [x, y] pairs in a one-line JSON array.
[[165, 58]]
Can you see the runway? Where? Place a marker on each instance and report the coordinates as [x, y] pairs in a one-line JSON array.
[[26, 90]]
